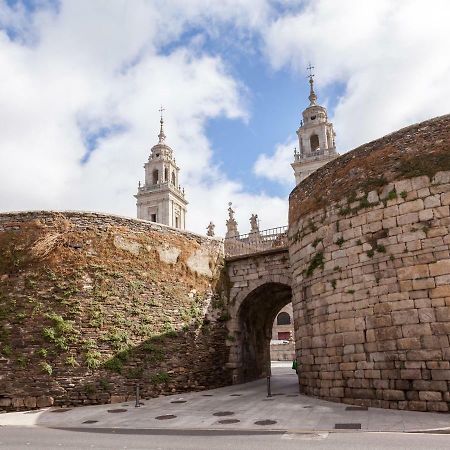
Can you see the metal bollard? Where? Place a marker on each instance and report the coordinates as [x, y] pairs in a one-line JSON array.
[[138, 403], [269, 392]]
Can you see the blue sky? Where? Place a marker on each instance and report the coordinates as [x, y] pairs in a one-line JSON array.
[[81, 82]]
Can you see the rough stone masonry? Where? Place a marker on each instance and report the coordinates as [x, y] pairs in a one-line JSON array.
[[370, 259]]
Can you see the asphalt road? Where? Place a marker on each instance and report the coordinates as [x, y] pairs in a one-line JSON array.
[[20, 438]]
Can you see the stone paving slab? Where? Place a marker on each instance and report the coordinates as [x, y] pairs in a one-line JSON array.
[[290, 411]]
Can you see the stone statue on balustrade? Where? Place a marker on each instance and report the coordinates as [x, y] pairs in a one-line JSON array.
[[232, 231], [210, 229]]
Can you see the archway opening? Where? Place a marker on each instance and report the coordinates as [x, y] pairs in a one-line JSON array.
[[256, 317], [314, 142]]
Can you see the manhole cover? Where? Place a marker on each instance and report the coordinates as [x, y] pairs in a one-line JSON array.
[[265, 422], [347, 426], [227, 421], [223, 413], [356, 408], [118, 410], [90, 421], [235, 395], [179, 401], [61, 410], [165, 417]]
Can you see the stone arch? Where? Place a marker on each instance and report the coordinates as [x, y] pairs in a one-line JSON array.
[[314, 142], [283, 318], [173, 178], [255, 310], [155, 176]]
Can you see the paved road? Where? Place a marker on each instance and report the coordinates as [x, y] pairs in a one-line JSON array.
[[36, 438]]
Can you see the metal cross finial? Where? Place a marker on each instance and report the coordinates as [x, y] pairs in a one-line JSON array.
[[310, 68], [161, 110]]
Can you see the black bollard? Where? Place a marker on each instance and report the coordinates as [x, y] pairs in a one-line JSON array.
[[269, 392], [138, 403]]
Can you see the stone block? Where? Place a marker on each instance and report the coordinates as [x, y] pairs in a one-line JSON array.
[[440, 268], [443, 314], [441, 178], [388, 333], [426, 315], [354, 337], [417, 405], [432, 201], [423, 355], [17, 402], [408, 343], [30, 402], [426, 214], [411, 207], [437, 374], [445, 198], [440, 291], [424, 283], [391, 394], [5, 402], [406, 219], [404, 317], [413, 272], [420, 182], [420, 329], [410, 374], [437, 406]]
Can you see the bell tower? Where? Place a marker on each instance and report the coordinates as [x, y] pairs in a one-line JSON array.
[[316, 137], [161, 198]]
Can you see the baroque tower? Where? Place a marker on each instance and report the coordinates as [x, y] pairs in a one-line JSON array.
[[316, 138], [161, 198]]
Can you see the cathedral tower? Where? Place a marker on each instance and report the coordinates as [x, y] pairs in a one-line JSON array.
[[315, 138], [161, 199]]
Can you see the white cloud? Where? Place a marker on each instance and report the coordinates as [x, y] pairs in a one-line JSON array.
[[100, 65], [389, 55], [277, 167]]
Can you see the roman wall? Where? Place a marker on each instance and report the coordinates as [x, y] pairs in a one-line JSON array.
[[92, 305], [371, 293]]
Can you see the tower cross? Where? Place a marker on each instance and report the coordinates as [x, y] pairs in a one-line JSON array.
[[161, 110], [310, 68]]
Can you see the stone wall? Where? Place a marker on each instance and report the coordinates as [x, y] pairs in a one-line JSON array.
[[371, 294], [93, 304]]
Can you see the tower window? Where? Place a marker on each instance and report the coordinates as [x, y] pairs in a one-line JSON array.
[[283, 318], [166, 174], [313, 117], [314, 142], [173, 178], [155, 176], [152, 217]]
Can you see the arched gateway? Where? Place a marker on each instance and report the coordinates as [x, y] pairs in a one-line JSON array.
[[260, 287]]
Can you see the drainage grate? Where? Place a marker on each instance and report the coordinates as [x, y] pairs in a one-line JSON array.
[[347, 426], [235, 395], [356, 408], [307, 406], [265, 422], [61, 410], [268, 399], [228, 421], [223, 413], [292, 395], [179, 401], [277, 394], [90, 421], [118, 410], [207, 395], [165, 417]]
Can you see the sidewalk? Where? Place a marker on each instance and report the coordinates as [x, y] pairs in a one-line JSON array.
[[238, 407]]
